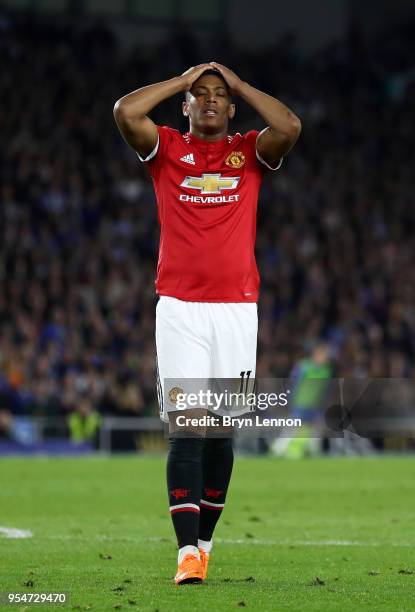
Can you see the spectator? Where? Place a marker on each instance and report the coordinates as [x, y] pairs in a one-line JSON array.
[[83, 423]]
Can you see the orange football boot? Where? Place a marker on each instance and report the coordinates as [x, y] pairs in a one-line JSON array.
[[204, 560], [189, 571]]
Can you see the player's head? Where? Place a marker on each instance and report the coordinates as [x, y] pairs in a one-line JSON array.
[[208, 103]]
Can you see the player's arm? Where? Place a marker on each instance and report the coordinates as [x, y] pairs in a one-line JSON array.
[[131, 111], [284, 126]]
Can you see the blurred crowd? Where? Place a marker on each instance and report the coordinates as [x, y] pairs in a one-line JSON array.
[[78, 222]]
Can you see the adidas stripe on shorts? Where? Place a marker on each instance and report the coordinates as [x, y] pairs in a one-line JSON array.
[[203, 341]]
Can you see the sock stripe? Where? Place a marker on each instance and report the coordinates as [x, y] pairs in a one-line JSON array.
[[184, 508], [206, 504]]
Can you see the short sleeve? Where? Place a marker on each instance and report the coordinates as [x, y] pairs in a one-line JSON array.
[[251, 140], [155, 158]]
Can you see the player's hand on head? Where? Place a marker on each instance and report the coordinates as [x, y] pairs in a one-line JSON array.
[[192, 74], [232, 79]]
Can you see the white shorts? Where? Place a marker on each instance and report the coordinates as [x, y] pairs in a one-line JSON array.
[[203, 341]]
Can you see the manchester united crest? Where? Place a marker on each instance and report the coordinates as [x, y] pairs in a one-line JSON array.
[[236, 159], [173, 393]]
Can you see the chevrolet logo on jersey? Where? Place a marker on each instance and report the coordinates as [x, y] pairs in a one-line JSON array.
[[210, 183]]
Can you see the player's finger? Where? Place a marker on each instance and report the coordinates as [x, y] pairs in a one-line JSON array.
[[196, 68], [218, 66], [194, 71]]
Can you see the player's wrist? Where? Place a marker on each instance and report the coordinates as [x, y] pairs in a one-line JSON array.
[[241, 88], [182, 83]]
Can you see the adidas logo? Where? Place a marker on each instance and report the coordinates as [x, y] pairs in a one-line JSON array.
[[189, 159]]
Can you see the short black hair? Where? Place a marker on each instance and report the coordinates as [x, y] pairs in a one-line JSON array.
[[216, 73]]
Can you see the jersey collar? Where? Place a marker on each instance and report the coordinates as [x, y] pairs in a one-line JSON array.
[[217, 144]]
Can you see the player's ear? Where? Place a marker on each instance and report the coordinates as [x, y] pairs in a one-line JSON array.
[[231, 111], [185, 108]]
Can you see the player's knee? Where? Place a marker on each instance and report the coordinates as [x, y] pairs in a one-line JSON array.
[[218, 446], [186, 449]]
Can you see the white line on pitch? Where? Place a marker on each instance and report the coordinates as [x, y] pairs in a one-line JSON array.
[[12, 532], [240, 541]]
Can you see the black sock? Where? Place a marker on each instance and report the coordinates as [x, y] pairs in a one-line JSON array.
[[184, 481], [217, 470]]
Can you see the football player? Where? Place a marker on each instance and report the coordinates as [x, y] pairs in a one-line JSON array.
[[206, 183]]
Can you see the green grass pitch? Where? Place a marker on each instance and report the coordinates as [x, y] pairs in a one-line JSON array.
[[317, 535]]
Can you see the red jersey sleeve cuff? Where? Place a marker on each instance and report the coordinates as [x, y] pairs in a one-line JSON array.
[[152, 154], [260, 159]]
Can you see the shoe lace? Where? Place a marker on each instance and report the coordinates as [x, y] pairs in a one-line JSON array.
[[188, 560]]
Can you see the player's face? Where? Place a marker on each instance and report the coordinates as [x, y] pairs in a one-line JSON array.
[[208, 105]]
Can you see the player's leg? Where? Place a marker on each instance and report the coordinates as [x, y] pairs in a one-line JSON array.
[[217, 470], [184, 481], [182, 355], [234, 358]]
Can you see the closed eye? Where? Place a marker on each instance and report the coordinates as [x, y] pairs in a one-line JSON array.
[[203, 92]]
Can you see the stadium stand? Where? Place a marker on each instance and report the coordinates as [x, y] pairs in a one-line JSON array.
[[78, 222]]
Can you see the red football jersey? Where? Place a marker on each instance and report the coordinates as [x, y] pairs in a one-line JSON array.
[[207, 194]]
